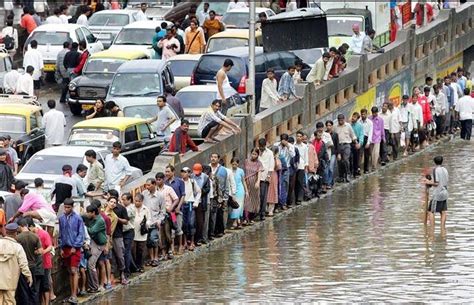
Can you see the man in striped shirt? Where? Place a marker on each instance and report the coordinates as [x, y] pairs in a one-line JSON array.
[[212, 121]]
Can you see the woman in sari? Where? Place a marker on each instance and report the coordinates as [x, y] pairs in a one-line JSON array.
[[241, 187], [253, 169]]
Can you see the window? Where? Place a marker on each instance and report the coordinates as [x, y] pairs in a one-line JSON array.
[[287, 59], [53, 38], [144, 131], [260, 64], [131, 134], [273, 61], [33, 121], [80, 35], [89, 36]]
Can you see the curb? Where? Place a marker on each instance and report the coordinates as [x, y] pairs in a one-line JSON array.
[[234, 235]]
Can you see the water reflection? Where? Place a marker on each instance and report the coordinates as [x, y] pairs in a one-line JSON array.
[[364, 243]]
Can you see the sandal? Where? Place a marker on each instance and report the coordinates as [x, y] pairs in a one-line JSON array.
[[170, 255], [210, 141]]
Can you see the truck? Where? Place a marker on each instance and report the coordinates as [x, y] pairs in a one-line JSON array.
[[342, 15]]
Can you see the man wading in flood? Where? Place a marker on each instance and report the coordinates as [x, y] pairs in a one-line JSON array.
[[439, 201]]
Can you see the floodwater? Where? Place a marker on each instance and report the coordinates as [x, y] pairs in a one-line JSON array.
[[364, 243]]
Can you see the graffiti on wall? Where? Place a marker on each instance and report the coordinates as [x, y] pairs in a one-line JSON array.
[[392, 89], [450, 65]]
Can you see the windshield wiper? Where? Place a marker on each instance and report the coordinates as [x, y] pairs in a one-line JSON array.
[[126, 95], [127, 43], [340, 34], [151, 93]]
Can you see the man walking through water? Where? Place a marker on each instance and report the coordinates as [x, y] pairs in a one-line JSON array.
[[439, 200]]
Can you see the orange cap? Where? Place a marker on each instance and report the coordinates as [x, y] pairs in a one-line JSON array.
[[197, 168]]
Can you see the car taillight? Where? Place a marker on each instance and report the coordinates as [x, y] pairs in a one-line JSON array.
[[193, 82], [241, 88]]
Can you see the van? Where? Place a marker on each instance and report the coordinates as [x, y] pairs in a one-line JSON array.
[[209, 64]]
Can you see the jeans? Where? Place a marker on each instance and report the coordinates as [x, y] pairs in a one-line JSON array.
[[395, 144], [300, 183], [384, 147], [64, 89], [92, 278], [439, 119], [345, 152], [367, 153], [189, 219], [212, 217], [466, 129], [284, 184], [221, 219], [263, 198], [329, 172], [127, 243], [118, 251], [202, 221], [355, 159]]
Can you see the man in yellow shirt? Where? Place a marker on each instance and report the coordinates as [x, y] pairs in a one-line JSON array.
[[195, 42]]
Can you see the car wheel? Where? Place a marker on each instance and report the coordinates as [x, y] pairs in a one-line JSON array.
[[76, 108]]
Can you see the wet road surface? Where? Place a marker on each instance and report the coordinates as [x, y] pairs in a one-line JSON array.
[[366, 242]]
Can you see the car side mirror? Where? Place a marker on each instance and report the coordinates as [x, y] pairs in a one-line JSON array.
[[152, 135]]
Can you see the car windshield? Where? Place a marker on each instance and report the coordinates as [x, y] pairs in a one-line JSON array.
[[193, 99], [136, 84], [49, 165], [52, 38], [10, 124], [103, 65], [109, 20], [182, 67], [219, 6], [237, 20], [342, 26], [93, 137], [135, 37], [219, 44], [309, 56], [140, 111]]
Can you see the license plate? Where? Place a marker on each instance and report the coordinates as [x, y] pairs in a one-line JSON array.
[[49, 67], [103, 36], [193, 120], [87, 107]]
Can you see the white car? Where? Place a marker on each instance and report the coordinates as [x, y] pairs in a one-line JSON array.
[[47, 163], [107, 24], [238, 18], [50, 38], [156, 10], [182, 66], [137, 36]]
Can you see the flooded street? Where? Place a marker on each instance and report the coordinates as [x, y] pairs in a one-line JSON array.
[[366, 242]]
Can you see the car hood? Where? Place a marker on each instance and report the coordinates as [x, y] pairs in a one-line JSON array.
[[194, 112], [144, 48], [124, 101], [30, 177], [94, 80]]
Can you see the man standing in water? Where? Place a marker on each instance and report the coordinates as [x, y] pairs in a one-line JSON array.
[[439, 200]]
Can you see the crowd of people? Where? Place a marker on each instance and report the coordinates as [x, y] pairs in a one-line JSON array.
[[111, 235]]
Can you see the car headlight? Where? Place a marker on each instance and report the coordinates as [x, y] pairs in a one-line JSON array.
[[72, 86]]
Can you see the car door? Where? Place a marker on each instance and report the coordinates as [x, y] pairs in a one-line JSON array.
[[80, 35], [150, 145], [131, 147], [37, 136], [93, 45]]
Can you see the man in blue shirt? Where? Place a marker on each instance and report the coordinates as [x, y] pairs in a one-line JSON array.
[[71, 240], [355, 152], [286, 87], [178, 186]]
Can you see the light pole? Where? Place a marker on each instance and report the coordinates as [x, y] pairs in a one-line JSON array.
[[250, 86]]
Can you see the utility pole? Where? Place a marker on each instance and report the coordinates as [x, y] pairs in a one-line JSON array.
[[250, 86]]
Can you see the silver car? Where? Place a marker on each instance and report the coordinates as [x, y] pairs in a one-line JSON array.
[[107, 24]]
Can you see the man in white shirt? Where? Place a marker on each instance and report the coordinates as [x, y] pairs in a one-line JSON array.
[[346, 136], [204, 14], [403, 118], [54, 19], [54, 123], [465, 108], [268, 161], [368, 130], [34, 58], [415, 122], [141, 14], [63, 14], [235, 4], [10, 80], [270, 96], [395, 128], [25, 83], [302, 168], [386, 115], [117, 169], [9, 30], [164, 118], [357, 40], [440, 105], [83, 18]]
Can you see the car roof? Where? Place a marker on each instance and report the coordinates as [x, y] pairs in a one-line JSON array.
[[119, 54], [57, 27], [16, 108], [236, 52], [235, 33], [185, 57], [145, 24], [67, 150], [115, 12], [247, 10], [120, 123], [142, 65], [199, 88]]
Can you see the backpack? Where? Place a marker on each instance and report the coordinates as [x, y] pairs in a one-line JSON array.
[[8, 41]]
